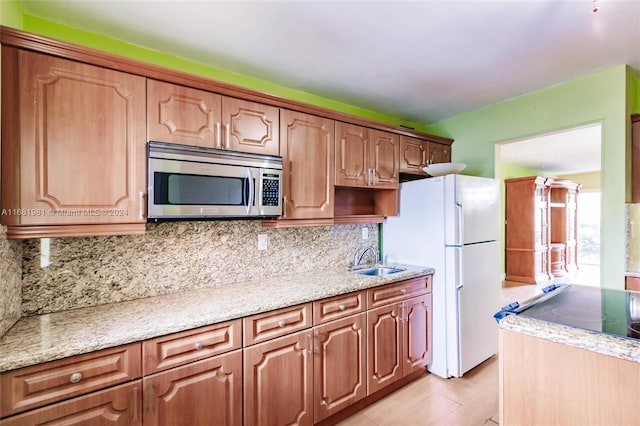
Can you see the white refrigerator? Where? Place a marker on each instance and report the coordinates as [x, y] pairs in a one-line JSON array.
[[452, 223]]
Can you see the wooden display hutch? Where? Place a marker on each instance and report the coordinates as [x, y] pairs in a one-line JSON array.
[[541, 228], [564, 219]]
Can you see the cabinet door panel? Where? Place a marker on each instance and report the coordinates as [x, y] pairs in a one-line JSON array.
[[307, 148], [339, 365], [278, 377], [384, 346], [250, 127], [207, 392], [384, 152], [417, 350], [182, 115], [82, 142], [120, 406], [439, 153], [352, 155], [413, 155]]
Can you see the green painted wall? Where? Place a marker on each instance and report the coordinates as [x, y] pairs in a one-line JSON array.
[[591, 181], [11, 14], [599, 97], [15, 18], [510, 171]]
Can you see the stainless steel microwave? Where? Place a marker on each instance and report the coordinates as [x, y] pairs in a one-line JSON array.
[[196, 182]]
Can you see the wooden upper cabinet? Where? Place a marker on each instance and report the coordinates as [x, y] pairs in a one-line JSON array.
[[384, 152], [352, 155], [366, 157], [307, 148], [183, 115], [75, 152], [250, 127], [439, 153], [414, 153]]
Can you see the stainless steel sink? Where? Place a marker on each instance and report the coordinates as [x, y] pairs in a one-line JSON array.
[[378, 271]]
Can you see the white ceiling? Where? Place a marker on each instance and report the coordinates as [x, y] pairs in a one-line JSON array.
[[418, 60], [421, 60], [560, 153]]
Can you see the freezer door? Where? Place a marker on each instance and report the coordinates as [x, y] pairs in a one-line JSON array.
[[474, 297], [472, 209]]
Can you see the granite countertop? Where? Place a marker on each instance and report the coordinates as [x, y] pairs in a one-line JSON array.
[[606, 344], [48, 337]]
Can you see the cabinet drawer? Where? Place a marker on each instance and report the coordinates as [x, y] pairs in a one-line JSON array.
[[42, 384], [398, 291], [121, 405], [337, 307], [262, 327], [177, 349]]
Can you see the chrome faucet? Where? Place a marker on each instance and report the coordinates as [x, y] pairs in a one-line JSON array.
[[357, 258]]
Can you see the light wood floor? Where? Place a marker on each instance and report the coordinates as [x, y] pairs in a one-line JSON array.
[[469, 400], [431, 400]]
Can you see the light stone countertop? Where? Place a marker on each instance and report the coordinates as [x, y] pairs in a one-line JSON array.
[[606, 344], [41, 338]]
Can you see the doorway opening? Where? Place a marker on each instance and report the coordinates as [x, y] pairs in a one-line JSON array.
[[574, 155]]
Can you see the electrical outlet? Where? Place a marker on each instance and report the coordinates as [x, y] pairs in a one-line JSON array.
[[365, 233], [262, 241]]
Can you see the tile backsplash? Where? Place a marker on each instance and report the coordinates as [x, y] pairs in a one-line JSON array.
[[10, 280], [69, 273]]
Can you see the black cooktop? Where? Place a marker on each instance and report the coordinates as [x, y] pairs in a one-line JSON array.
[[615, 312]]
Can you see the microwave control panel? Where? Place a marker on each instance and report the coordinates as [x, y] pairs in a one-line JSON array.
[[270, 191]]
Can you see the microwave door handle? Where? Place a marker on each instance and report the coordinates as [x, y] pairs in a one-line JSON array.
[[251, 191]]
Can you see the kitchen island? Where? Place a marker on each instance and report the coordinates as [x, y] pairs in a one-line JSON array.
[[573, 359]]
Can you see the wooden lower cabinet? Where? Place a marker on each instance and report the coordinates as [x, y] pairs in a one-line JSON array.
[[339, 365], [207, 392], [417, 341], [384, 346], [120, 405], [399, 340], [278, 378]]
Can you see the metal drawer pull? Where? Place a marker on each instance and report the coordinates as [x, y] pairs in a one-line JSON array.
[[135, 404], [341, 307], [403, 291], [75, 377], [198, 346], [141, 205], [281, 323]]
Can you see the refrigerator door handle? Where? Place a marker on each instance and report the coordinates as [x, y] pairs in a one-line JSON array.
[[460, 224], [459, 271]]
